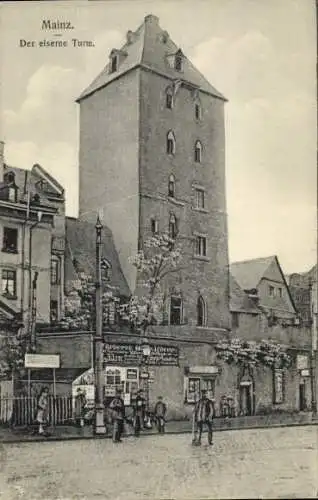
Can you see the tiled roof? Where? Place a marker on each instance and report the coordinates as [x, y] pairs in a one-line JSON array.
[[248, 273], [239, 300], [147, 49], [80, 245]]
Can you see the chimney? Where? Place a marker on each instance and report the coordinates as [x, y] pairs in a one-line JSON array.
[[151, 19], [130, 37], [1, 160]]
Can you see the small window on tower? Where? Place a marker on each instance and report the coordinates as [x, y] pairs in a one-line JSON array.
[[154, 226], [114, 64], [198, 152], [197, 111], [171, 186], [171, 143], [169, 99], [178, 62], [173, 227]]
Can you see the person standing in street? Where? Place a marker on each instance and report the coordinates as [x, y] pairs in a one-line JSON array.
[[42, 410], [203, 414], [117, 407], [80, 403], [160, 415], [139, 412]]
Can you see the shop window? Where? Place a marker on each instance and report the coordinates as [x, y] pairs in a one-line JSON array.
[[201, 321], [171, 143], [192, 389], [10, 240], [9, 283], [54, 271], [278, 386], [175, 310]]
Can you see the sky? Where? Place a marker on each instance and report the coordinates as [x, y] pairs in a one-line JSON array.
[[260, 55]]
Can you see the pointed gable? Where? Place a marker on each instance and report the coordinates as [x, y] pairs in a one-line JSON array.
[[248, 273], [151, 48]]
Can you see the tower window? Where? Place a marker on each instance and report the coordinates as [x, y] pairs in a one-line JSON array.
[[172, 227], [200, 246], [154, 226], [197, 111], [9, 283], [171, 186], [171, 143], [199, 198], [169, 99], [201, 312], [198, 152], [10, 240], [175, 310]]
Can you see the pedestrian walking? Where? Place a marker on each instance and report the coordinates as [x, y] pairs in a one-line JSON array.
[[160, 415], [42, 410], [139, 412], [117, 406], [203, 414], [80, 404]]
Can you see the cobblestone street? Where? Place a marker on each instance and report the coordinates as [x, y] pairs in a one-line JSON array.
[[268, 463]]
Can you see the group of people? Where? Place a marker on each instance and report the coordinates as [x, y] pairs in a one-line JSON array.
[[140, 417], [203, 414]]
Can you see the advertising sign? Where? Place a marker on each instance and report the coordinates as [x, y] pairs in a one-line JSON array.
[[302, 362], [42, 361], [132, 354]]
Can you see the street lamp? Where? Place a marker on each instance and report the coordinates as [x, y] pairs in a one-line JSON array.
[[98, 357], [146, 350], [32, 288]]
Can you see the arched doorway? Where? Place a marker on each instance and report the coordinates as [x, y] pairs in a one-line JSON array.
[[246, 387]]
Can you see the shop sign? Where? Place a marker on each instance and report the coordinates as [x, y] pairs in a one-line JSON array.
[[144, 375], [132, 354], [302, 362], [132, 374], [305, 373], [42, 361]]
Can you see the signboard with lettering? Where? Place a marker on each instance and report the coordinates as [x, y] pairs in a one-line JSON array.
[[132, 354], [42, 360], [302, 362]]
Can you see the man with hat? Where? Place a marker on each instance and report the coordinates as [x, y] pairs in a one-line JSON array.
[[203, 414], [139, 412], [117, 406]]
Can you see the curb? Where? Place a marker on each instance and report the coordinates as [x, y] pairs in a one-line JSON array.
[[38, 439]]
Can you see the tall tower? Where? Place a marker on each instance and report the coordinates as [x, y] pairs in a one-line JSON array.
[[152, 157]]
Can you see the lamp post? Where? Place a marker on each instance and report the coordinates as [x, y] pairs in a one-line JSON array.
[[32, 288], [98, 338], [146, 354]]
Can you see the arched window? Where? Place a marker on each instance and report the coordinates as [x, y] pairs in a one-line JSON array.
[[171, 186], [198, 152], [201, 313], [169, 98], [173, 227], [171, 143]]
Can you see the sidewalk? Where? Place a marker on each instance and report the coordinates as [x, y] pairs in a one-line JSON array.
[[61, 433]]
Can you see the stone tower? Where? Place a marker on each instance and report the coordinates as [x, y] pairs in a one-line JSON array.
[[152, 158]]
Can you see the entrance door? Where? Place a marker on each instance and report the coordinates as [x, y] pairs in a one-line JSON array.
[[246, 399], [302, 396]]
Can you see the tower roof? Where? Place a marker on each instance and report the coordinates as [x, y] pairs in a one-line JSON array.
[[151, 48]]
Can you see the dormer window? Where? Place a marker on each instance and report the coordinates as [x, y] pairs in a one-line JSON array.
[[9, 177], [114, 63], [178, 62]]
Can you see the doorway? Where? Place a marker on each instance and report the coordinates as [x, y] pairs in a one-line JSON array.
[[246, 407], [302, 396]]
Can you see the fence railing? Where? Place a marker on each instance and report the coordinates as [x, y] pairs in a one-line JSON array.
[[22, 410]]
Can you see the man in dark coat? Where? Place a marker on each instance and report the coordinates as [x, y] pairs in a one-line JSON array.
[[160, 415], [139, 412], [203, 414], [117, 407]]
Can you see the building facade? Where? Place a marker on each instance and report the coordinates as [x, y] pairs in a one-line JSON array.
[[31, 259]]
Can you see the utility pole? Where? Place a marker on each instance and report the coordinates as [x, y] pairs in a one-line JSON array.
[[313, 357], [98, 338]]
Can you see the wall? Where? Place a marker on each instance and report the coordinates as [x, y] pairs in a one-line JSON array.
[[108, 163], [205, 276]]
